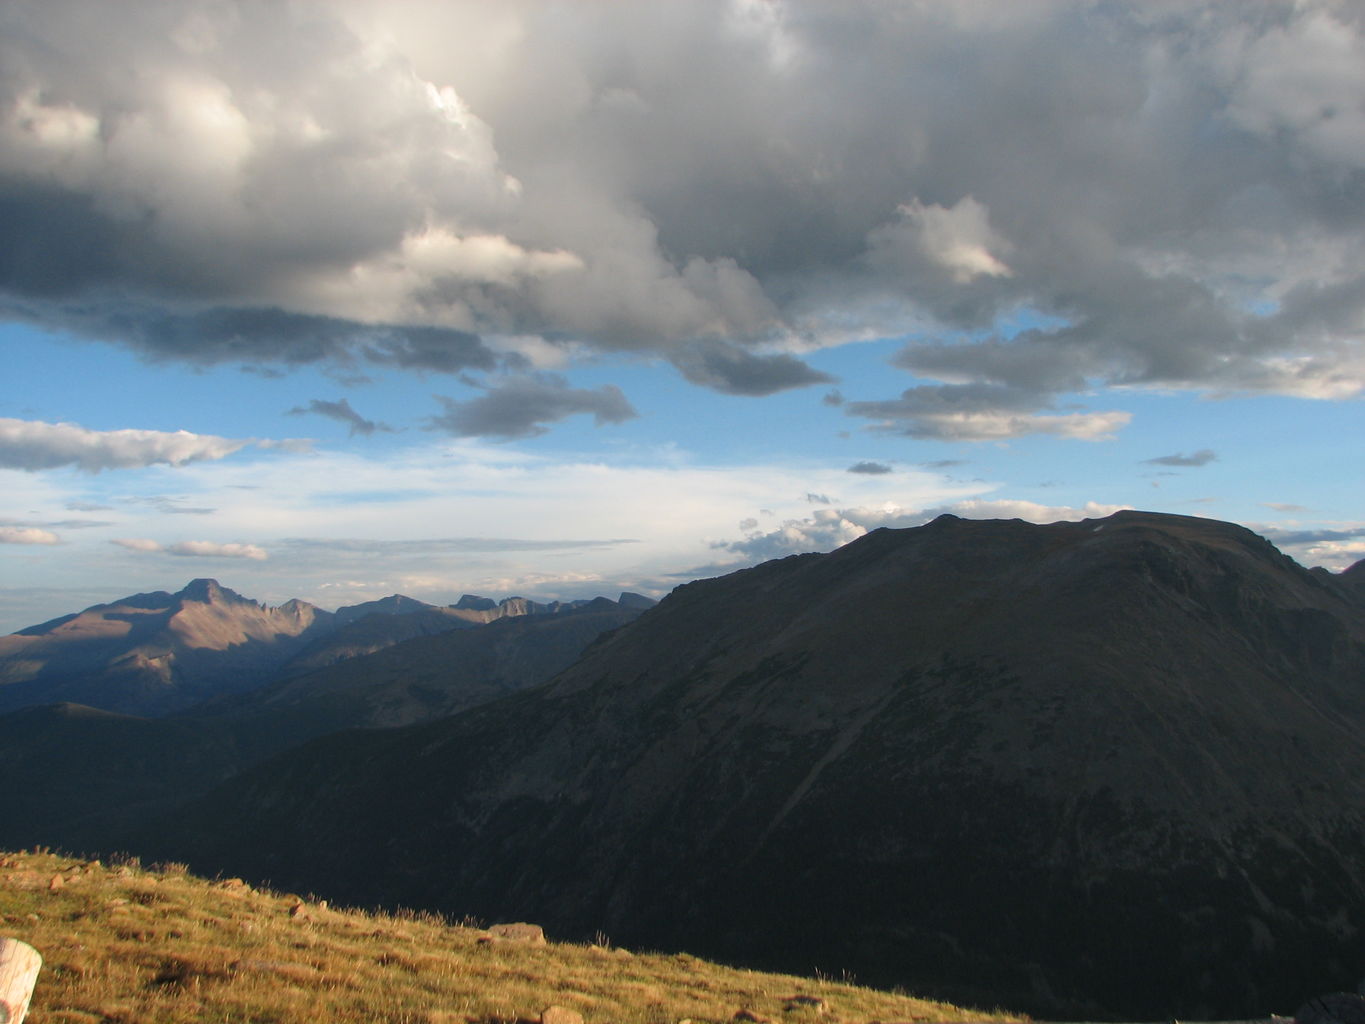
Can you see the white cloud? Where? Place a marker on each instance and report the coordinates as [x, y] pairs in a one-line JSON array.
[[1332, 545], [34, 445], [1003, 426], [210, 549], [27, 535], [958, 238], [827, 529], [402, 285], [1334, 555], [193, 548], [137, 544]]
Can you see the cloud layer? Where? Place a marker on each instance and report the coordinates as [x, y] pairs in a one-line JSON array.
[[1045, 199], [193, 548]]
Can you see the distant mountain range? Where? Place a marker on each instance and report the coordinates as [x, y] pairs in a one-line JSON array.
[[81, 776], [153, 654], [1114, 767]]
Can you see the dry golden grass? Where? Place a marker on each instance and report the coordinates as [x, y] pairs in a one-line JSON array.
[[124, 945]]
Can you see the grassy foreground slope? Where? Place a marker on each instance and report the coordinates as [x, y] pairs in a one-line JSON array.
[[131, 946]]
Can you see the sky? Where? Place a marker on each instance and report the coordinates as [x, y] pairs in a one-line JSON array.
[[334, 300]]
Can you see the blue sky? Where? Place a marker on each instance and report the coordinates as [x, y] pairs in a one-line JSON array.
[[348, 299]]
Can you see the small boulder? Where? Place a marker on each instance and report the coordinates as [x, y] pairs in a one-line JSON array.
[[805, 1002], [531, 934], [560, 1015], [56, 883]]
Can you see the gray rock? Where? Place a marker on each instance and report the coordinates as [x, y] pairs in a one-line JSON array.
[[518, 932]]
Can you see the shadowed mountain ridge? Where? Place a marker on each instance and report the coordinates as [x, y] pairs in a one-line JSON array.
[[1107, 767]]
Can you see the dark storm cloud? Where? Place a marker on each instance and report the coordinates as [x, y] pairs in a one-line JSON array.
[[56, 244], [522, 406], [1159, 195], [1200, 458], [256, 336], [733, 371], [870, 468], [425, 348], [342, 412]]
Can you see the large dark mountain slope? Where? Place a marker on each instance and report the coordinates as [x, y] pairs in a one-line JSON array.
[[1113, 766], [75, 776]]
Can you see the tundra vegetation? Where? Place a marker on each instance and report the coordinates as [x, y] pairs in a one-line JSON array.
[[128, 945]]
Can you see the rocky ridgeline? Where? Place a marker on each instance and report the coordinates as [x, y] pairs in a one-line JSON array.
[[160, 653]]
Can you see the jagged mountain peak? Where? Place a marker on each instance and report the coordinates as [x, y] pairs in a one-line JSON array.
[[210, 591], [475, 603], [152, 653], [295, 606]]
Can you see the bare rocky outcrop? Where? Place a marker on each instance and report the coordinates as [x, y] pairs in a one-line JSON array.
[[155, 653]]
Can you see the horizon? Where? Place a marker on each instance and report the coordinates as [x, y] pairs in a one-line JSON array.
[[342, 300], [536, 599]]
